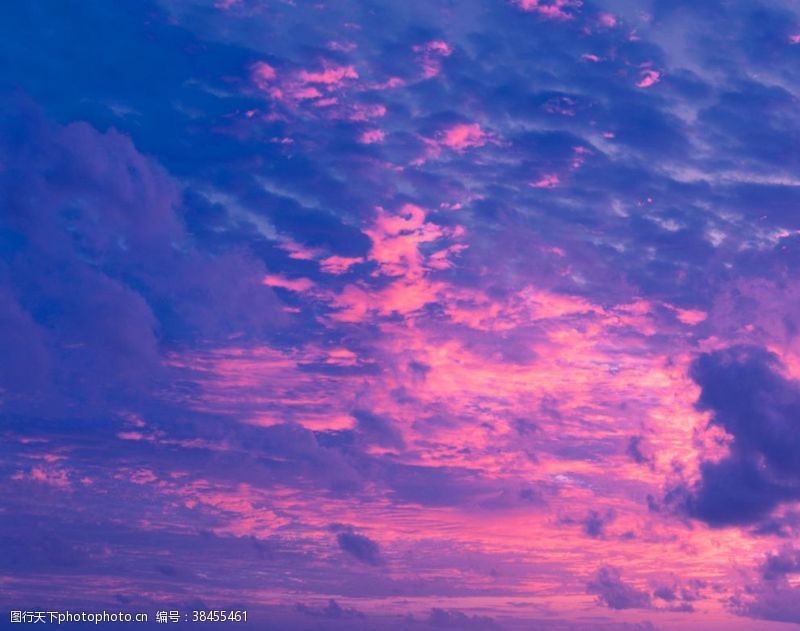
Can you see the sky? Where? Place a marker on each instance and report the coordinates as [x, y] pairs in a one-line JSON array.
[[421, 315]]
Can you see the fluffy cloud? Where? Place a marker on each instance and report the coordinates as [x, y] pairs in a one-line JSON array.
[[614, 593], [360, 547], [757, 406]]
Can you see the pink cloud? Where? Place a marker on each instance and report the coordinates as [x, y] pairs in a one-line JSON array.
[[304, 93], [404, 297], [329, 264], [443, 259], [435, 46], [133, 419], [330, 75], [143, 476], [263, 73], [592, 374], [608, 20], [327, 102], [371, 136], [548, 181], [338, 264], [243, 510], [431, 54], [54, 476], [133, 436], [461, 137], [269, 384], [794, 39], [649, 78], [325, 93], [360, 112], [552, 180], [554, 10], [390, 84], [299, 252], [293, 284], [579, 154], [691, 317], [341, 357], [398, 239]]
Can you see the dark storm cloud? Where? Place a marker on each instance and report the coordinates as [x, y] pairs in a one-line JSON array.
[[752, 401], [99, 272]]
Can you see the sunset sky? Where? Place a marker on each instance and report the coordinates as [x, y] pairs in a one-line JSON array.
[[402, 316]]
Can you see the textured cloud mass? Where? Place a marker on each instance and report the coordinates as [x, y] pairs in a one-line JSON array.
[[759, 410], [419, 315]]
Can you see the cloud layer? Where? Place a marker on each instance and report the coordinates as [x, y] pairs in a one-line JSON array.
[[402, 315]]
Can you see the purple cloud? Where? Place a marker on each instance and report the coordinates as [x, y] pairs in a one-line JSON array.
[[360, 547], [614, 593]]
